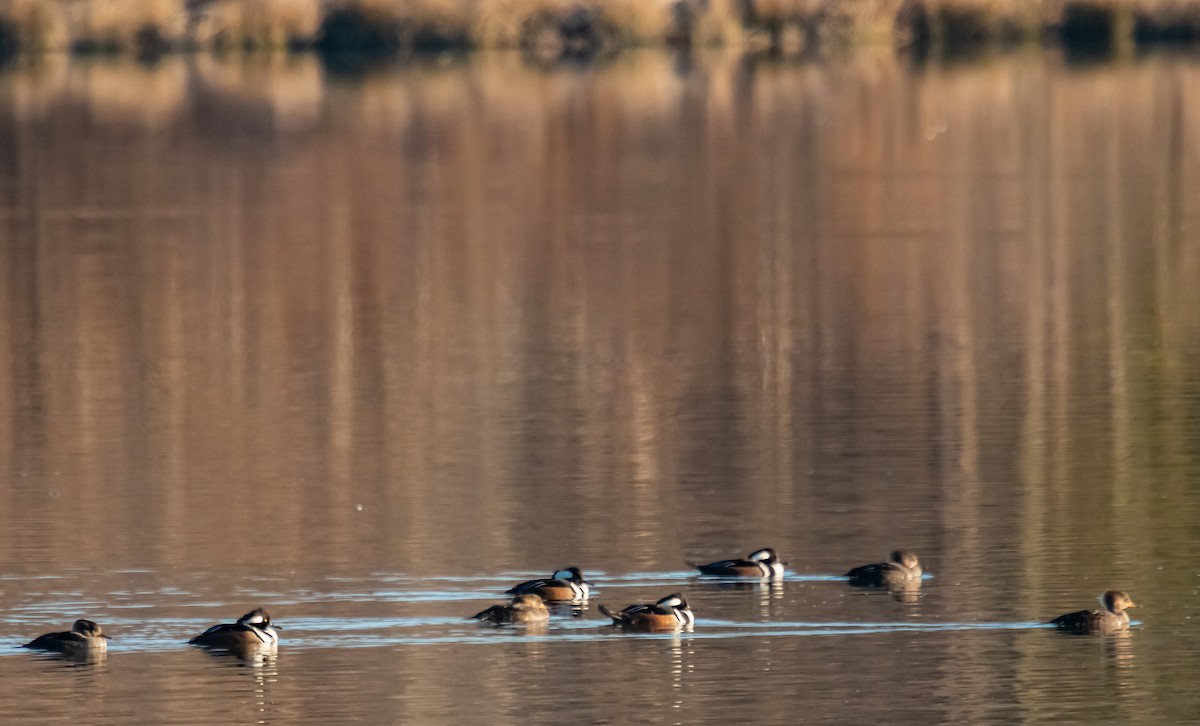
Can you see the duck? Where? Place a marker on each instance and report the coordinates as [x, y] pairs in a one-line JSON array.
[[528, 608], [565, 585], [253, 629], [760, 564], [670, 613], [1109, 620], [85, 636], [903, 568]]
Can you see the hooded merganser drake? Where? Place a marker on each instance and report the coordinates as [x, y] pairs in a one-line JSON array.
[[670, 613], [252, 629], [762, 563], [1109, 620], [903, 568], [527, 608], [566, 585], [84, 636]]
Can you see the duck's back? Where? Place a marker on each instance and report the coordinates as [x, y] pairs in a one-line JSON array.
[[1090, 621], [876, 575], [494, 614], [66, 642], [552, 590], [229, 634]]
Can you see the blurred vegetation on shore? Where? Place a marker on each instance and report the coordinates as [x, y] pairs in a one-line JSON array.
[[556, 28]]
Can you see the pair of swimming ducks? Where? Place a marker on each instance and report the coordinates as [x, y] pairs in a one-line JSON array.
[[254, 629], [902, 570]]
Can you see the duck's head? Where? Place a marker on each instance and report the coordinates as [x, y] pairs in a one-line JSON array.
[[88, 628], [528, 602], [906, 558], [766, 554], [1115, 601], [257, 617], [569, 573], [673, 602]]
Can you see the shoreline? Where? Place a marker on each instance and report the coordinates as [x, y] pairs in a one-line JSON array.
[[551, 29]]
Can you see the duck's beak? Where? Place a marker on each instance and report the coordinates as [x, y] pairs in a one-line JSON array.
[[276, 627], [106, 637], [1131, 605]]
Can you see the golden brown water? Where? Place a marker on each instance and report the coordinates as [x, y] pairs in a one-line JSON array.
[[367, 350]]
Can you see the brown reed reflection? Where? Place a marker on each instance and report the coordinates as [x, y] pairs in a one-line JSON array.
[[514, 243]]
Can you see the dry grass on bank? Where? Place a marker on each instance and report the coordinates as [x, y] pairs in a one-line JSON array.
[[582, 27], [253, 23]]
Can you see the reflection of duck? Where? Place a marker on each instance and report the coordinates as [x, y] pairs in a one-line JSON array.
[[522, 609], [908, 592], [760, 563], [84, 637], [670, 613], [902, 569], [566, 585], [1109, 620], [251, 630], [246, 655]]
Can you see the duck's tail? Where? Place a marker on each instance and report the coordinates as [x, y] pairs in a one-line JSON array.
[[491, 614], [616, 617]]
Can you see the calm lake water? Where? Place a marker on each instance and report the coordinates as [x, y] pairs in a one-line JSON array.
[[368, 349]]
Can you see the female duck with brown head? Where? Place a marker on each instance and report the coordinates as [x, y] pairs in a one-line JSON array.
[[84, 636], [527, 608], [1109, 620], [902, 569]]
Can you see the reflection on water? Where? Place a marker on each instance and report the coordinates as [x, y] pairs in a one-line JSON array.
[[367, 351], [86, 658]]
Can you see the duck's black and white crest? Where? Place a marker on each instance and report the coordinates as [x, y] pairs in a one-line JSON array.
[[257, 616], [672, 601]]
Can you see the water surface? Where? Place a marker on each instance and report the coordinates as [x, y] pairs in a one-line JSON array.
[[368, 349]]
